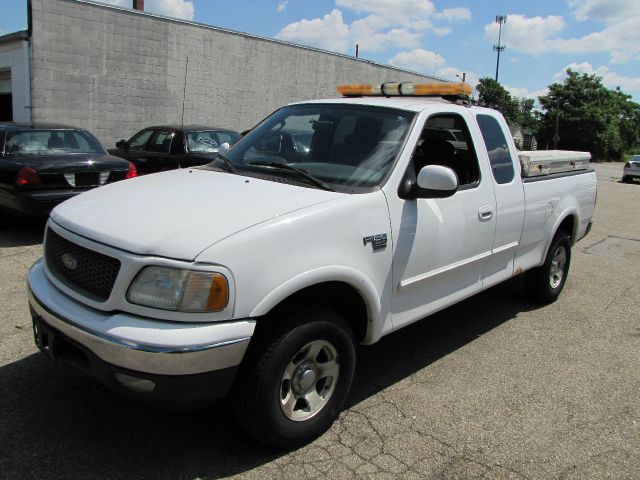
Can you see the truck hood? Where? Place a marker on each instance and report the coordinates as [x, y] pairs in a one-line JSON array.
[[178, 214]]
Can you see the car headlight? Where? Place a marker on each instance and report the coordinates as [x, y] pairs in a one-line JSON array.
[[170, 288]]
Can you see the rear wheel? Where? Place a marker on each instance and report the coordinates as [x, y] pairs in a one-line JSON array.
[[627, 179], [545, 283], [296, 376]]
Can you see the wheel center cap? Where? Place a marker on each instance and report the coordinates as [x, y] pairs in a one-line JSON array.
[[303, 378]]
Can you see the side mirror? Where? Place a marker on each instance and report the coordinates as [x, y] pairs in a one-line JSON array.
[[223, 148], [122, 145], [437, 181]]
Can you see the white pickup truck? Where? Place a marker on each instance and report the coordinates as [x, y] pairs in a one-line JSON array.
[[330, 224]]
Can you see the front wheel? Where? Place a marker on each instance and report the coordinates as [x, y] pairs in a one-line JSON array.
[[545, 283], [296, 376]]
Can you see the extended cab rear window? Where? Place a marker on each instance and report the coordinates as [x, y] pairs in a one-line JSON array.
[[497, 148]]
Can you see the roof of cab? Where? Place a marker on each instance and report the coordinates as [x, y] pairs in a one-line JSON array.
[[410, 103]]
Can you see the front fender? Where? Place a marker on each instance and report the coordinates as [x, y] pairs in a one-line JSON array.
[[334, 273]]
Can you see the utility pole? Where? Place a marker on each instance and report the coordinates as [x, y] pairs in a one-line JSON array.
[[357, 48], [500, 20], [556, 137]]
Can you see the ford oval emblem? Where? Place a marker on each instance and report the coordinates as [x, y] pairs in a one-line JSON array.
[[69, 261]]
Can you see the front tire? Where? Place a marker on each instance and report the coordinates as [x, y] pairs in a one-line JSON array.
[[545, 283], [296, 376]]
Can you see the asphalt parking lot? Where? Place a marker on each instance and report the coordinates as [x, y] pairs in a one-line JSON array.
[[494, 387]]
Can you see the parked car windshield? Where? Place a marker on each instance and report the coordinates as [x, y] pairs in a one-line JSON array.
[[209, 141], [348, 147], [34, 142]]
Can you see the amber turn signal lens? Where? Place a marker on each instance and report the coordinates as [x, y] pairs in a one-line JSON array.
[[218, 293]]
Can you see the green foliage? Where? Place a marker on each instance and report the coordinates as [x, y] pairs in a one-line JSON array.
[[591, 117], [493, 95], [515, 110], [528, 116]]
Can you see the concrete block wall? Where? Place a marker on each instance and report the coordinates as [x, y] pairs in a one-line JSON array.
[[115, 71]]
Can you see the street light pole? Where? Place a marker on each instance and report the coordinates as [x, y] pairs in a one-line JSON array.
[[500, 20]]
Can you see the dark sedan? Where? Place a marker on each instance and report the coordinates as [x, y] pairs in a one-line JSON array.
[[155, 149], [42, 165]]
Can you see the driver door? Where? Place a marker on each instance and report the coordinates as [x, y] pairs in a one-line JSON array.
[[441, 245]]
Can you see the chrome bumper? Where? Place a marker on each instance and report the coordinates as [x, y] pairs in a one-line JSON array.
[[137, 343]]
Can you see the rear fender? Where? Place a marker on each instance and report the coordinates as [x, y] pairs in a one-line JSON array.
[[569, 212]]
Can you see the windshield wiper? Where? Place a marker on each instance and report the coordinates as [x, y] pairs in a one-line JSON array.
[[227, 162], [303, 173]]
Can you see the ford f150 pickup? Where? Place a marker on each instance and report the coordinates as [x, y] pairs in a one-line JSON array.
[[330, 224]]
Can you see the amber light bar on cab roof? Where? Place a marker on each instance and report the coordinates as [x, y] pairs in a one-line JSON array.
[[406, 89]]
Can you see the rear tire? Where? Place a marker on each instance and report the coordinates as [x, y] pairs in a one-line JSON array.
[[545, 282], [627, 179], [295, 376]]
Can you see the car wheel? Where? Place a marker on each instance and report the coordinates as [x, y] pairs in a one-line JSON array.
[[545, 283], [626, 179], [296, 376]]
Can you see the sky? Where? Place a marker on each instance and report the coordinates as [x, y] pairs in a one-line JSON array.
[[445, 38]]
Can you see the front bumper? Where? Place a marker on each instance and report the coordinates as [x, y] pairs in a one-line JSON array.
[[178, 358]]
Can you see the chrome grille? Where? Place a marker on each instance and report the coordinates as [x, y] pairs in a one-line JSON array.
[[81, 269]]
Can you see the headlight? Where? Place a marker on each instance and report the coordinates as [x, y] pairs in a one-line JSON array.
[[170, 288]]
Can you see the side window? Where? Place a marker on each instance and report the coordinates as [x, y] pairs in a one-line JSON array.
[[497, 148], [161, 141], [139, 140], [446, 141]]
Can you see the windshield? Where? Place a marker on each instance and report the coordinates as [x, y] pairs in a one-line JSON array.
[[350, 147], [22, 143]]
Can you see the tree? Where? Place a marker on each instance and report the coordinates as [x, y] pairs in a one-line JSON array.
[[591, 117], [493, 95], [528, 116]]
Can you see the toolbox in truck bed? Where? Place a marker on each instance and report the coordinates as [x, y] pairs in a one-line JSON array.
[[546, 162]]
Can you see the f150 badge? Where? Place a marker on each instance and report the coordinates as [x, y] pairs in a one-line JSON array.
[[378, 241]]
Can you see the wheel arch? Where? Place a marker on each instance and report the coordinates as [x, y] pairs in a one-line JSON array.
[[345, 290], [568, 222]]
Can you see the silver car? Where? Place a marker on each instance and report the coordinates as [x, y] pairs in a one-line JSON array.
[[631, 169]]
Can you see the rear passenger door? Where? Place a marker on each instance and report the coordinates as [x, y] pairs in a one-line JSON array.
[[507, 183], [441, 245]]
